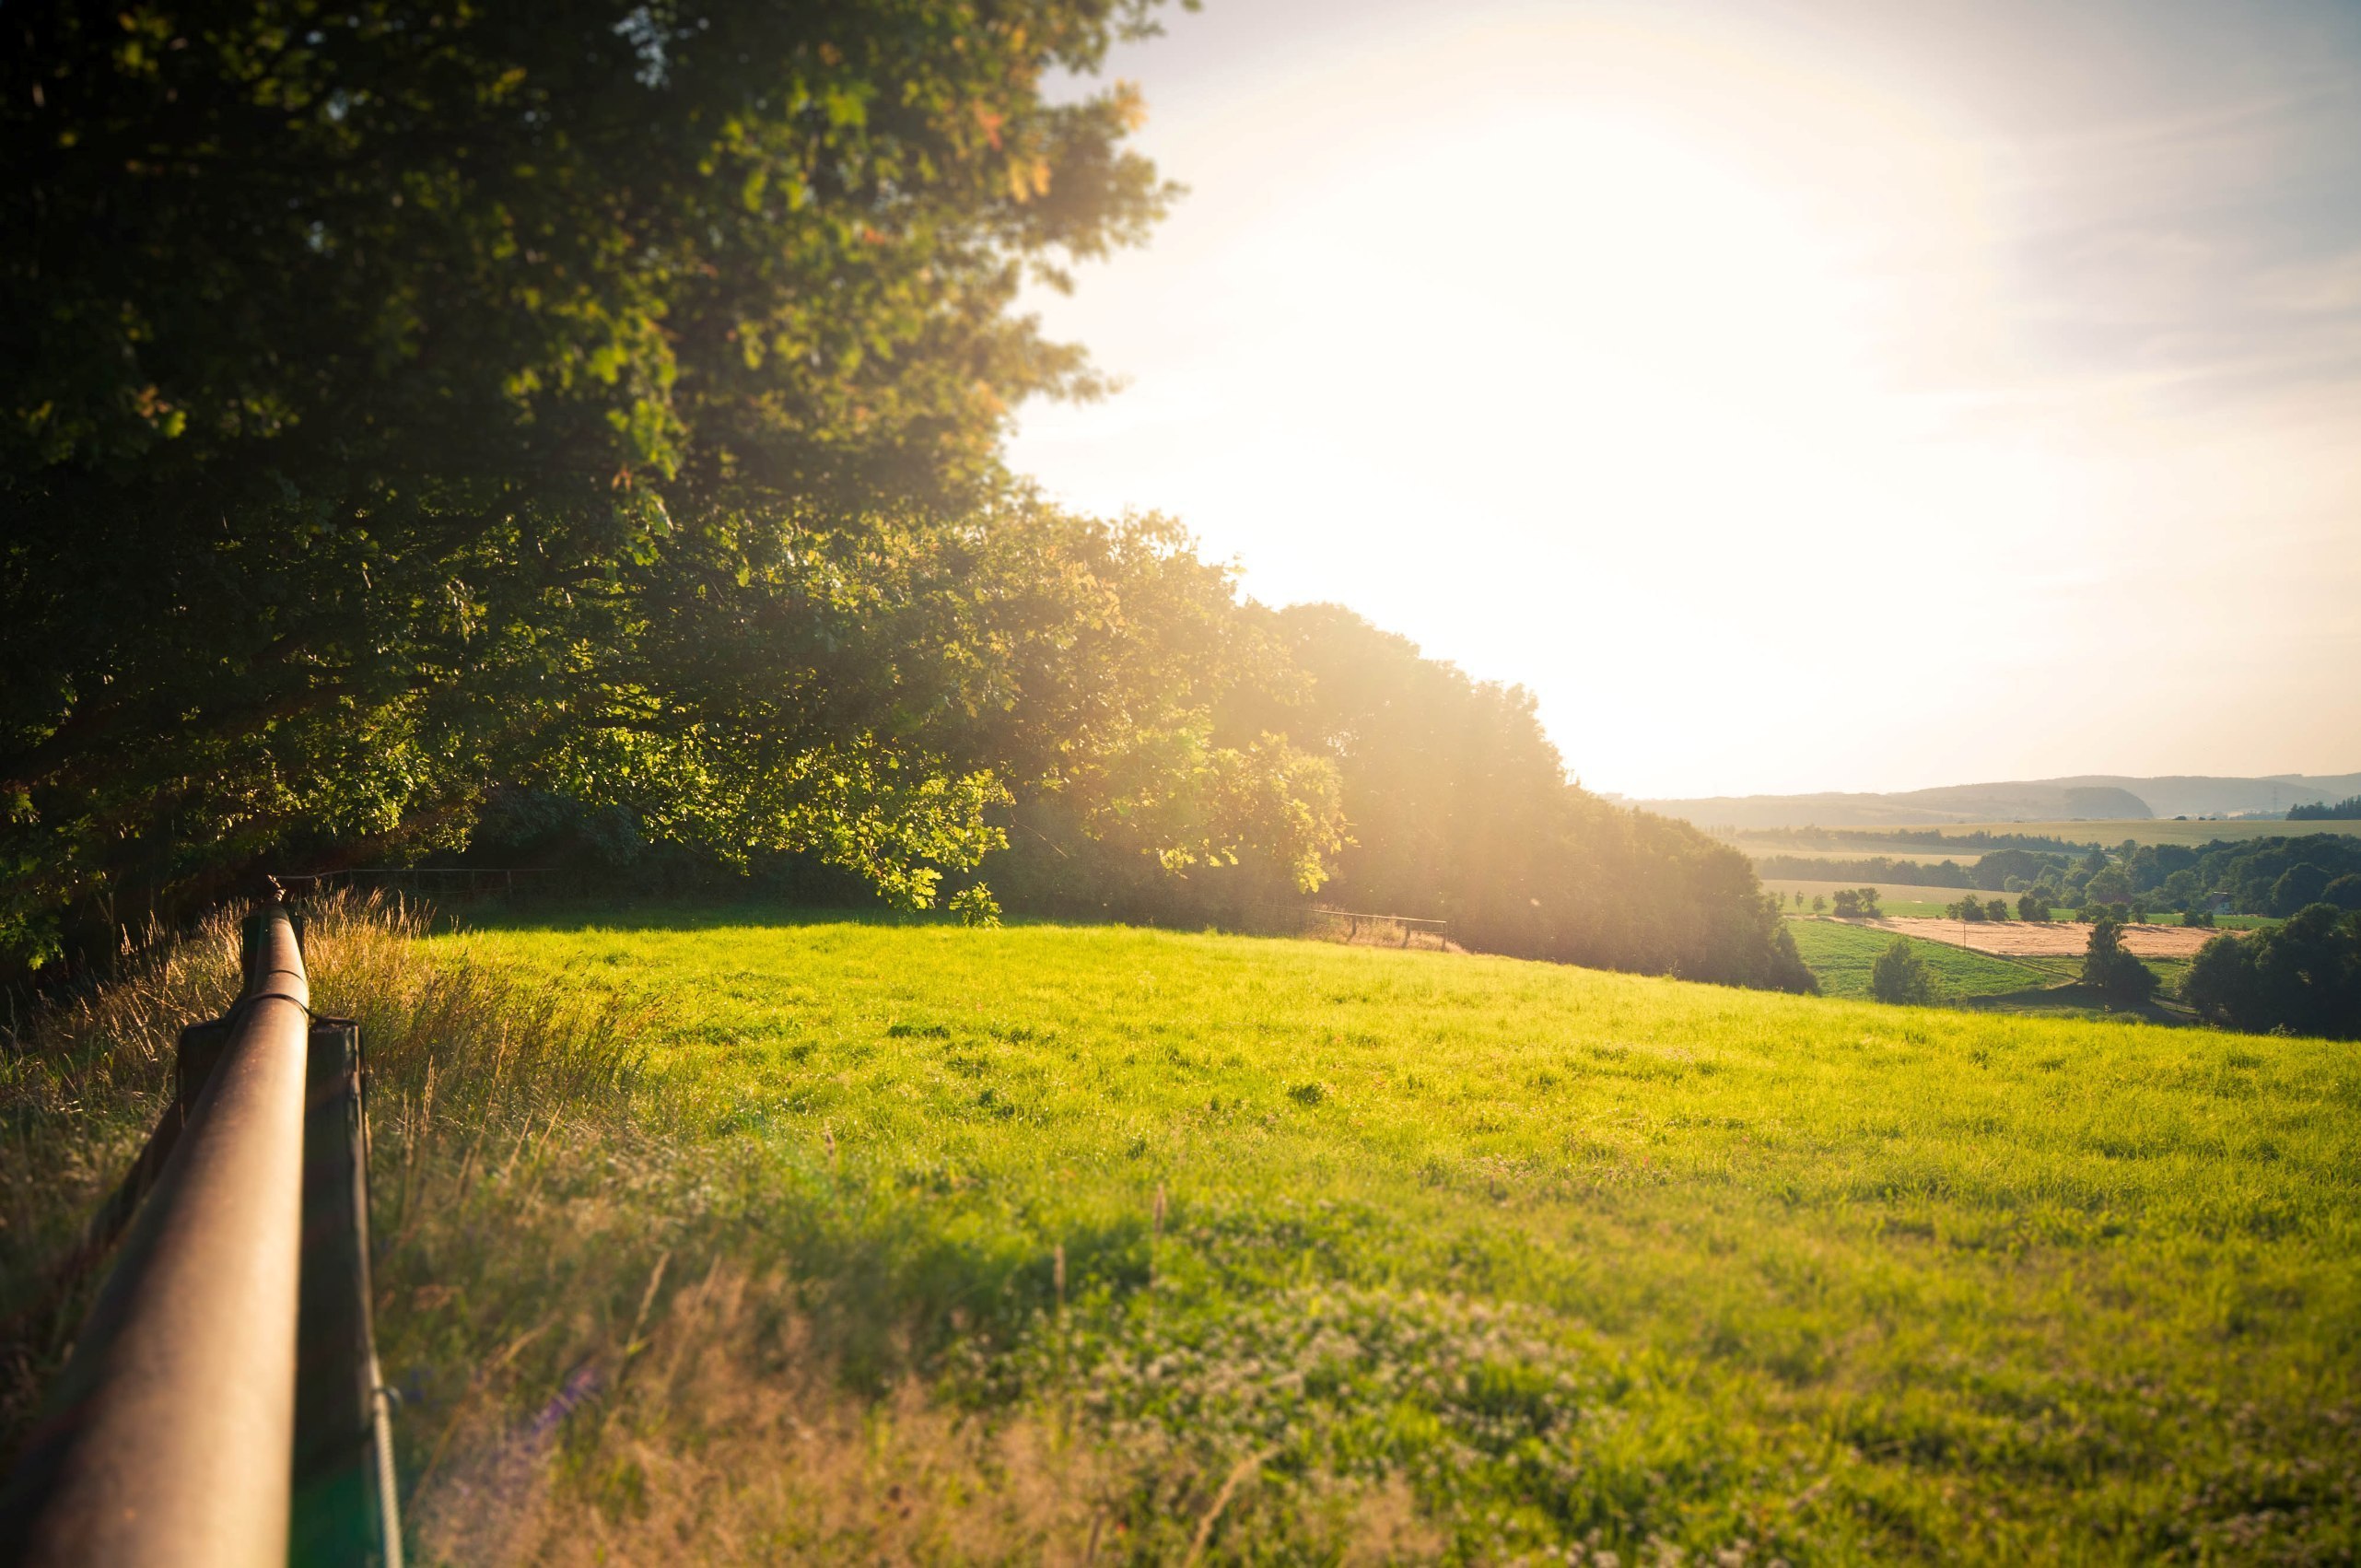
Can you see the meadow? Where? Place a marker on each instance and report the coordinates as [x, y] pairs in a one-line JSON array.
[[1893, 898], [743, 1235]]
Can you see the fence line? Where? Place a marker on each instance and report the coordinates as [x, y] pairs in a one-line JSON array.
[[1355, 925], [222, 1404]]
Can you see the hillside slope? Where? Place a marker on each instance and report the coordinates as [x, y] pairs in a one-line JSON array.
[[1962, 1274], [915, 1242], [2082, 798]]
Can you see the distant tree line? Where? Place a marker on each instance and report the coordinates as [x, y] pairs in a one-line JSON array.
[[1990, 873], [1974, 840], [2349, 810], [2274, 876]]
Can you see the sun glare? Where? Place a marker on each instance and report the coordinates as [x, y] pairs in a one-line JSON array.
[[1550, 339]]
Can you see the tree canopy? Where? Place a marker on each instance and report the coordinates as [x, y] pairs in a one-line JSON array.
[[402, 395], [429, 429]]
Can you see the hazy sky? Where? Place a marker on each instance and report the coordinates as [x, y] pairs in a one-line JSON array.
[[1834, 395]]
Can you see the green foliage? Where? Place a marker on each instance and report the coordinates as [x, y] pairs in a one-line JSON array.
[[1966, 909], [1856, 904], [399, 399], [2302, 976], [1901, 976], [2033, 906], [2108, 968], [974, 906], [2349, 810], [1990, 872]]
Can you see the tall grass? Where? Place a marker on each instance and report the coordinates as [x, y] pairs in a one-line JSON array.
[[470, 1067]]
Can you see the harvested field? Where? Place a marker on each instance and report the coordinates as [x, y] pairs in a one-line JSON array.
[[2026, 938]]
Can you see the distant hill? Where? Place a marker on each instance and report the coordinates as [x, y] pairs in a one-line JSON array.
[[2086, 798]]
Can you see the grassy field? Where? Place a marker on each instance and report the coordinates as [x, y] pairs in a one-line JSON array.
[[915, 1243], [1842, 956], [1893, 898]]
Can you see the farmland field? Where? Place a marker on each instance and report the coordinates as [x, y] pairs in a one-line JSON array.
[[912, 1242], [1893, 898], [2052, 939], [1842, 953]]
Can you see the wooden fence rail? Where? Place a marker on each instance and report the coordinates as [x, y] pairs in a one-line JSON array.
[[222, 1403], [1357, 925]]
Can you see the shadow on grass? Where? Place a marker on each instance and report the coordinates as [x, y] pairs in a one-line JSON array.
[[2075, 1000], [683, 915]]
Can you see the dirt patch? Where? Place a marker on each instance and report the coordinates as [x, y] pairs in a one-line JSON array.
[[2025, 939]]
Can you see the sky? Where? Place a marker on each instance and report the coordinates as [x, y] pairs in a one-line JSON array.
[[1857, 394]]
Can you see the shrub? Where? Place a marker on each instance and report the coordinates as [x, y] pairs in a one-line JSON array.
[[976, 907], [1900, 974], [1995, 909], [2107, 967], [2033, 906], [1856, 904]]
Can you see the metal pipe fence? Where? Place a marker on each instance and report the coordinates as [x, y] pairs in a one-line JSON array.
[[222, 1404]]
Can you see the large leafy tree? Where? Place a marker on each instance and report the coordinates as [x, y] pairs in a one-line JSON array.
[[400, 396]]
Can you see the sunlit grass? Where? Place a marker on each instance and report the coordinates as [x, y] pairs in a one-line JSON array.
[[1832, 1279], [915, 1242]]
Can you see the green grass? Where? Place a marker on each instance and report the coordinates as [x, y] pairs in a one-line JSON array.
[[1843, 1281], [1842, 956], [1366, 1255], [1892, 899]]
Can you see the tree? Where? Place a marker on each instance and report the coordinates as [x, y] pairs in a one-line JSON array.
[[2303, 977], [2108, 887], [1856, 904], [2297, 887], [1819, 903], [1900, 974], [2345, 892], [2033, 906], [2107, 967], [441, 397]]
